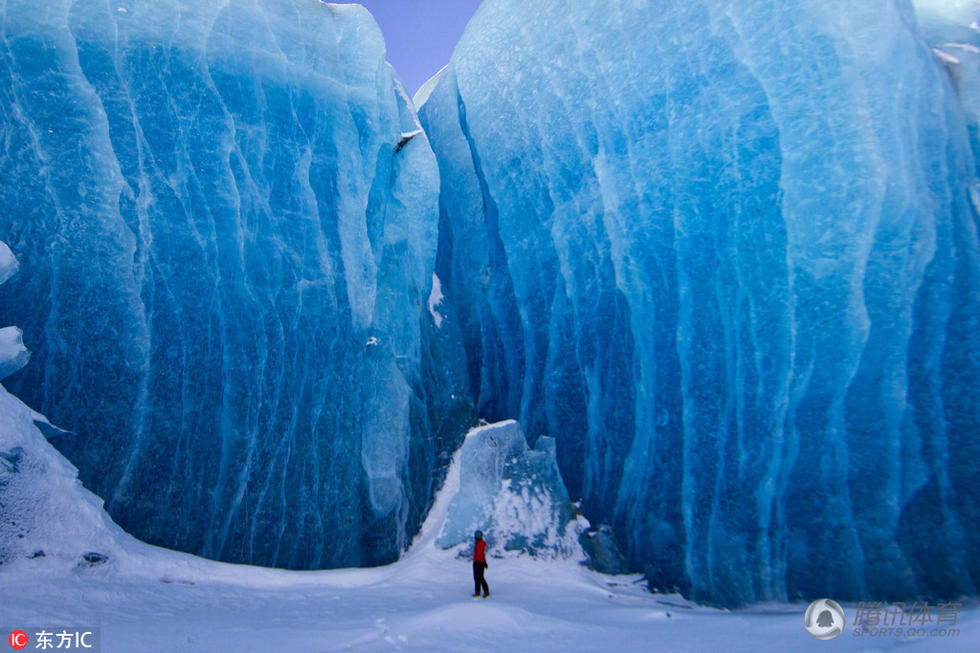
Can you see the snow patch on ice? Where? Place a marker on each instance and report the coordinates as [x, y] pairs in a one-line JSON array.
[[514, 494], [435, 298], [945, 57], [13, 353], [422, 95]]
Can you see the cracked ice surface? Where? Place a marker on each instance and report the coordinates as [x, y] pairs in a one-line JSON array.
[[212, 220], [726, 256]]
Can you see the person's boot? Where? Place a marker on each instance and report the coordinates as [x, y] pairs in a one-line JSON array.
[[476, 596], [486, 595]]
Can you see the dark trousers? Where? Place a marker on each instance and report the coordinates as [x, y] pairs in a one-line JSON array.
[[478, 580]]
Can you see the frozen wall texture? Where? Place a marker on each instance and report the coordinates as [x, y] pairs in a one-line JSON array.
[[725, 252], [226, 238]]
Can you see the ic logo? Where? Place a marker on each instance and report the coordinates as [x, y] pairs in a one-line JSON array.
[[18, 639]]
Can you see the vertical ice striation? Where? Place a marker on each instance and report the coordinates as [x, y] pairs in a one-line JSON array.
[[725, 253], [227, 255]]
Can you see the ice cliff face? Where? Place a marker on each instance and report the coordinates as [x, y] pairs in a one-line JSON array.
[[227, 228], [726, 254]]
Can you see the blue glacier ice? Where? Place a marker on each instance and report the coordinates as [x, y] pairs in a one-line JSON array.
[[226, 219], [512, 493], [725, 253]]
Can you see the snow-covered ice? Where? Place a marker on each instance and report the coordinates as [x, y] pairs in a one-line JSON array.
[[512, 493], [8, 262], [435, 298], [13, 353]]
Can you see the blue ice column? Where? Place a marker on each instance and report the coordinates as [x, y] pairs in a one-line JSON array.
[[227, 218], [725, 252]]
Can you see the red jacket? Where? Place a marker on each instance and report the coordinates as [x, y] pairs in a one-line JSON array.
[[479, 551]]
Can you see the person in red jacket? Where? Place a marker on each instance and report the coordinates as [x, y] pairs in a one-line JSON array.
[[480, 565]]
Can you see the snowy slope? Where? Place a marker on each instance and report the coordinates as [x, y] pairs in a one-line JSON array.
[[422, 606], [148, 599]]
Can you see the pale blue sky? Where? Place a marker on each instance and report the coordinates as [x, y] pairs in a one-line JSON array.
[[420, 34]]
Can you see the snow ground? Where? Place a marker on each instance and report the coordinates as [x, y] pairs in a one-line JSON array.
[[420, 605], [147, 599]]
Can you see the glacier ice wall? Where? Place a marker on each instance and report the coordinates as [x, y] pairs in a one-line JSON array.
[[227, 233], [725, 253]]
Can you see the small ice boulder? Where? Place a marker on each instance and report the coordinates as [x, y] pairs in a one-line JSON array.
[[8, 262], [13, 353], [512, 493]]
